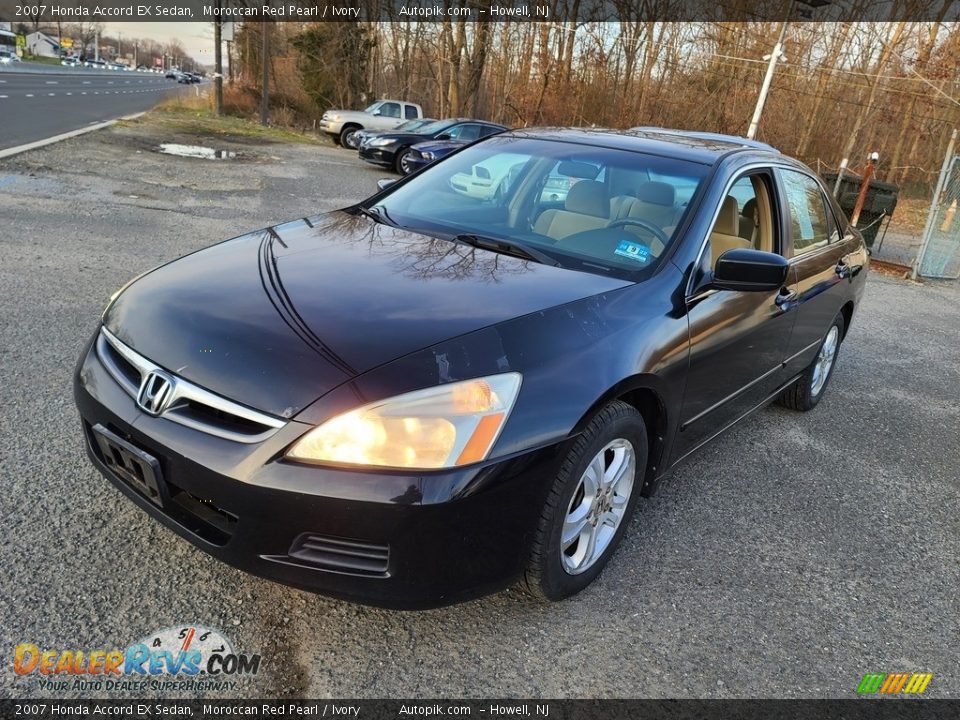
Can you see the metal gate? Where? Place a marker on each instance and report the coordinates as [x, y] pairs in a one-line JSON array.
[[940, 246]]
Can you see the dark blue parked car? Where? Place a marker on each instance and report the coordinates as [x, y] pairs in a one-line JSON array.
[[394, 149]]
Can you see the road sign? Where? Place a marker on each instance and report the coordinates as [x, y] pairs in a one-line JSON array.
[[66, 42]]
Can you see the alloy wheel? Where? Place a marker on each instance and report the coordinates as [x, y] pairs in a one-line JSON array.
[[824, 361], [598, 506]]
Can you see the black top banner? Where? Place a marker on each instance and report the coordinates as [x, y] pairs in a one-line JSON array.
[[488, 709], [580, 11]]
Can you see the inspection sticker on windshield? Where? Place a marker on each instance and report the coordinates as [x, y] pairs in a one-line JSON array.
[[632, 250]]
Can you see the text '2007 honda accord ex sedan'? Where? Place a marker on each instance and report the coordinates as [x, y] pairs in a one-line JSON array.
[[439, 392]]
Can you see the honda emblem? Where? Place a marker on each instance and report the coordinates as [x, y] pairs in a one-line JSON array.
[[156, 392]]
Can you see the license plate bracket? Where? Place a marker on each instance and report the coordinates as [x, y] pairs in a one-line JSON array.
[[135, 467]]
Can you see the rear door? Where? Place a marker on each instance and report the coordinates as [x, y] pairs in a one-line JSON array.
[[817, 254]]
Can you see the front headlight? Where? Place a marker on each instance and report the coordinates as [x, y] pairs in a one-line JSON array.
[[427, 155], [380, 142], [440, 427]]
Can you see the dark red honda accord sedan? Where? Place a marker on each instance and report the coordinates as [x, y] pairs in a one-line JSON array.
[[465, 381]]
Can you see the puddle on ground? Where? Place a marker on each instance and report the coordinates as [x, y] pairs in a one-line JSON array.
[[196, 151]]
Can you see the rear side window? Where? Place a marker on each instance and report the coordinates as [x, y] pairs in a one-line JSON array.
[[410, 112], [810, 222]]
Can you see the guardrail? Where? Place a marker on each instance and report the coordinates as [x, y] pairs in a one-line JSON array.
[[43, 69]]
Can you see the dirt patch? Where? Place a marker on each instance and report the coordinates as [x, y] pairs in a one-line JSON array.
[[890, 269]]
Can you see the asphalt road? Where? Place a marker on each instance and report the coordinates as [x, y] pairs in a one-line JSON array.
[[797, 553], [37, 105]]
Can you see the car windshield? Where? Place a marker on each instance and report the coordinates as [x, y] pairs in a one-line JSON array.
[[413, 126], [596, 209], [437, 126]]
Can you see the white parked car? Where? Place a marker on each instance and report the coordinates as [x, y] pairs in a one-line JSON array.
[[8, 58], [489, 177], [342, 125]]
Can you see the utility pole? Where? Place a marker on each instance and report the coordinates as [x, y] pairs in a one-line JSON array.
[[768, 78], [218, 65], [265, 82]]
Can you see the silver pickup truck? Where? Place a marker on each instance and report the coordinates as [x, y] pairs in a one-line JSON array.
[[342, 125]]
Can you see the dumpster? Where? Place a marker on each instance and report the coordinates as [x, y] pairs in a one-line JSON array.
[[880, 202]]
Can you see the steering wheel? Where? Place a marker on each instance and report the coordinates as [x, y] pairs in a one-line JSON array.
[[648, 226]]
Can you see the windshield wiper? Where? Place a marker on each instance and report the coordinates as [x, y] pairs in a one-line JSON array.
[[375, 213], [507, 247]]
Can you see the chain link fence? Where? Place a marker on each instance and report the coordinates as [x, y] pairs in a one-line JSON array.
[[940, 247]]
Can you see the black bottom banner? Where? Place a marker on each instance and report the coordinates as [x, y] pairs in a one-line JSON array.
[[854, 709]]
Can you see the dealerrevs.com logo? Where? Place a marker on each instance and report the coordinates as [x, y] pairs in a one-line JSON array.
[[187, 657]]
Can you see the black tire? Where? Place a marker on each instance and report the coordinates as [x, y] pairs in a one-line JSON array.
[[336, 139], [802, 395], [346, 136], [545, 577], [398, 161]]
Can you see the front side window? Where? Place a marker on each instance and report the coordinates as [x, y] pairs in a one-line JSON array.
[[465, 132], [555, 198], [390, 109], [809, 219]]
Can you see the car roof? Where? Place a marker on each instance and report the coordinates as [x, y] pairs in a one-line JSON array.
[[695, 146]]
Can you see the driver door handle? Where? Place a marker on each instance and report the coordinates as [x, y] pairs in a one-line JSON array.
[[785, 296]]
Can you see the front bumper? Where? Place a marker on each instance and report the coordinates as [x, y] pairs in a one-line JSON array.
[[412, 541], [331, 127], [378, 156], [416, 162]]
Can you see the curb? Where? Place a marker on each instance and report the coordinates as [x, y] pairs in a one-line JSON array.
[[65, 136]]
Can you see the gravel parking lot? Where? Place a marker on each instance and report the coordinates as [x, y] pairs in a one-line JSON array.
[[793, 556]]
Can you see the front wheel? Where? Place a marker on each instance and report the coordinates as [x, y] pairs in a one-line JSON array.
[[806, 392], [348, 137], [402, 163], [590, 504]]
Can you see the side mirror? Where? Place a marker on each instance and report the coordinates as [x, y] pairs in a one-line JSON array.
[[443, 136], [377, 113], [750, 270], [384, 183]]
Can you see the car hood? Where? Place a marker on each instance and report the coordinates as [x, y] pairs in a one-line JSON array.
[[438, 145], [276, 318], [353, 113], [397, 137]]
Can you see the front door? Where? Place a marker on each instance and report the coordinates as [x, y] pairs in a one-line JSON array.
[[738, 340]]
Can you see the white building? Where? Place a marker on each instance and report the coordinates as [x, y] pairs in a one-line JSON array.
[[41, 44]]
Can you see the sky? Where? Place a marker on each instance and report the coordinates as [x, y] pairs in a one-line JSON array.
[[197, 37]]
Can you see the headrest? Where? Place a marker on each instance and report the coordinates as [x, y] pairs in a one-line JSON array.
[[620, 205], [750, 209], [588, 197], [657, 193], [728, 221]]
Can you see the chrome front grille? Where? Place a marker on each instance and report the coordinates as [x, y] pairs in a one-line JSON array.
[[189, 404]]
